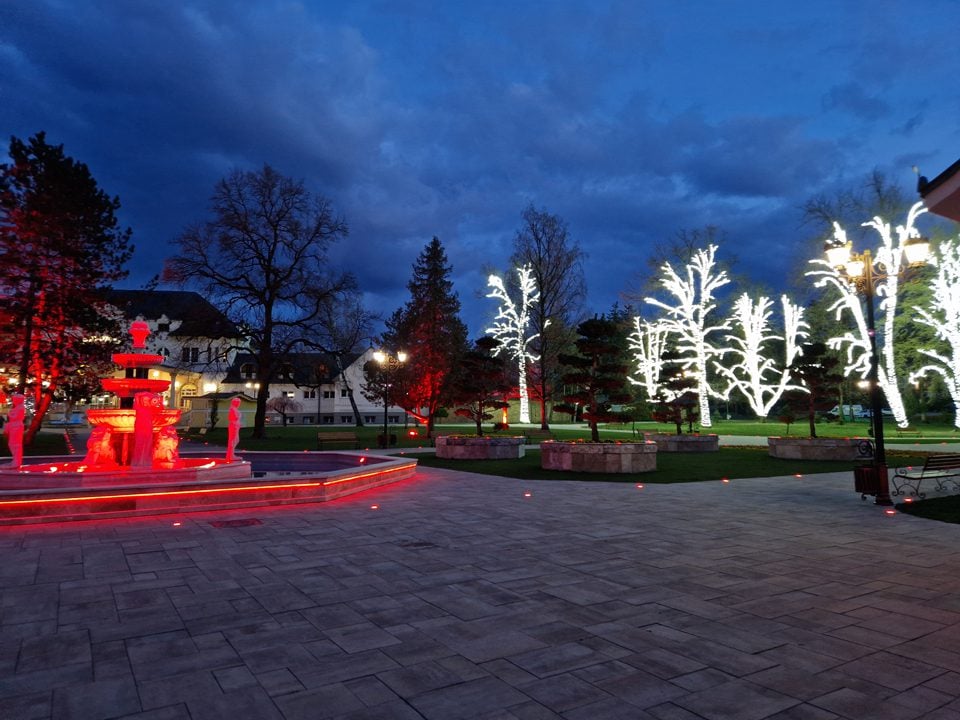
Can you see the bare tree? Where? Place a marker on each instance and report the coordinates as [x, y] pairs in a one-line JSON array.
[[544, 244], [263, 258]]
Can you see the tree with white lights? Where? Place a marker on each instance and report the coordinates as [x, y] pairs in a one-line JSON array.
[[687, 319], [647, 342], [891, 260], [943, 315], [511, 324], [756, 374]]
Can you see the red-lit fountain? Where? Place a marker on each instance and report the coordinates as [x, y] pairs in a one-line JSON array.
[[135, 442], [133, 464]]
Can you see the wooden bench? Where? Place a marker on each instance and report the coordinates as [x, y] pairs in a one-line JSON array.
[[339, 436], [536, 436], [941, 467], [908, 432]]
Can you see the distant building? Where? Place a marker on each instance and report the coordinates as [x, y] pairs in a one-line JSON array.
[[197, 341], [942, 194], [312, 390]]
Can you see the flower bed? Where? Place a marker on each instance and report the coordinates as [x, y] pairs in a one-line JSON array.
[[820, 448], [599, 457], [667, 442], [463, 447]]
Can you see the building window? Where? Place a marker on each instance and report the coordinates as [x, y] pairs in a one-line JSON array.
[[328, 395], [187, 392], [344, 392], [309, 394], [346, 419], [163, 327], [246, 371], [308, 419], [369, 419], [190, 354], [328, 419], [289, 394]]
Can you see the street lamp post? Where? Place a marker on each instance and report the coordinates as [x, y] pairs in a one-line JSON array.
[[858, 268], [389, 364]]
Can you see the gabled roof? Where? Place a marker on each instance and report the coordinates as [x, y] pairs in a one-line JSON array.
[[198, 317], [308, 369], [942, 194]]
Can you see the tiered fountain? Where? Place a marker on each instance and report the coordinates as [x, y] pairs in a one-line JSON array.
[[135, 442], [133, 465]]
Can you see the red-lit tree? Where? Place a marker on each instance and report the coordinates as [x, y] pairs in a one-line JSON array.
[[429, 329], [597, 375], [60, 247]]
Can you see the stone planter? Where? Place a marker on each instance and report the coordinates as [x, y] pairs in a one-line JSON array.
[[462, 447], [798, 448], [599, 457], [673, 443]]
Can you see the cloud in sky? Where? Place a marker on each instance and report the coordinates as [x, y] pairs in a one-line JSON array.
[[629, 120]]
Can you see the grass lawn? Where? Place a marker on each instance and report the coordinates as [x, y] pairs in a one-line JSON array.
[[303, 437], [729, 462], [945, 509]]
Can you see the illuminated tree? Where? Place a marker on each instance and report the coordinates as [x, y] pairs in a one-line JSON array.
[[510, 328], [543, 243], [890, 260], [687, 319], [481, 383], [596, 374], [756, 374], [648, 342], [429, 329], [263, 259], [676, 399], [60, 248], [943, 315]]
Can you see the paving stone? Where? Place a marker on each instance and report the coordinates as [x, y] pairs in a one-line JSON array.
[[97, 700], [466, 700], [736, 700]]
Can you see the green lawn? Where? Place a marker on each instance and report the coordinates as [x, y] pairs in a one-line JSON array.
[[304, 437], [945, 509], [729, 462]]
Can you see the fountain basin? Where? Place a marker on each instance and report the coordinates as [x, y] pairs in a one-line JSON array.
[[125, 387], [269, 479]]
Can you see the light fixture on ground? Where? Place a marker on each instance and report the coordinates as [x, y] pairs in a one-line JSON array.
[[389, 365], [863, 271]]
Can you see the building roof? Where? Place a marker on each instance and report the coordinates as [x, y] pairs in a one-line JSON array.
[[197, 316], [307, 369], [942, 194]]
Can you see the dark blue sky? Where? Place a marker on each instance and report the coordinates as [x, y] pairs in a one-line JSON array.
[[631, 120]]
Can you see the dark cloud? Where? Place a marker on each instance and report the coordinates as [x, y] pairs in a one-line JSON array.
[[417, 119]]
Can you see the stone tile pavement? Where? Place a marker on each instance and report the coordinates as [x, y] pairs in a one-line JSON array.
[[463, 596]]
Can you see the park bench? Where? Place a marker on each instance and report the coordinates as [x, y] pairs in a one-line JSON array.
[[536, 436], [339, 437], [908, 432], [936, 467]]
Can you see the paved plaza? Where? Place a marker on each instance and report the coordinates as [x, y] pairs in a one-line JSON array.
[[454, 595]]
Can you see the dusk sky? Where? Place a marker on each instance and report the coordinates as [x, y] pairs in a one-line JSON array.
[[630, 120]]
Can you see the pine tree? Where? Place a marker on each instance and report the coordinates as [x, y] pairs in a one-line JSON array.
[[597, 375], [429, 329], [482, 383], [60, 247]]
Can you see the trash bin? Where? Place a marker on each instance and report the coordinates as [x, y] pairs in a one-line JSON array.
[[866, 479]]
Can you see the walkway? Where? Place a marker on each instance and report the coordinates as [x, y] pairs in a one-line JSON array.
[[454, 595]]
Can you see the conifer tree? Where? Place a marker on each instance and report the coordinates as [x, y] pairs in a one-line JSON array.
[[61, 246], [429, 329]]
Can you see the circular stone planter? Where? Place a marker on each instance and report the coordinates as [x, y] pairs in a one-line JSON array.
[[789, 448], [599, 457], [462, 447], [684, 443]]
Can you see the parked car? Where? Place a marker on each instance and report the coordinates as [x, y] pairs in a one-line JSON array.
[[848, 410], [867, 413]]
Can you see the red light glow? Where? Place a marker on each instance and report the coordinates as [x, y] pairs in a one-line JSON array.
[[177, 524], [640, 487], [528, 494], [798, 475], [890, 512], [374, 507], [908, 500], [726, 480]]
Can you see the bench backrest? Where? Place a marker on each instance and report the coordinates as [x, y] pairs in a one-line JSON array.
[[949, 461], [331, 435]]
